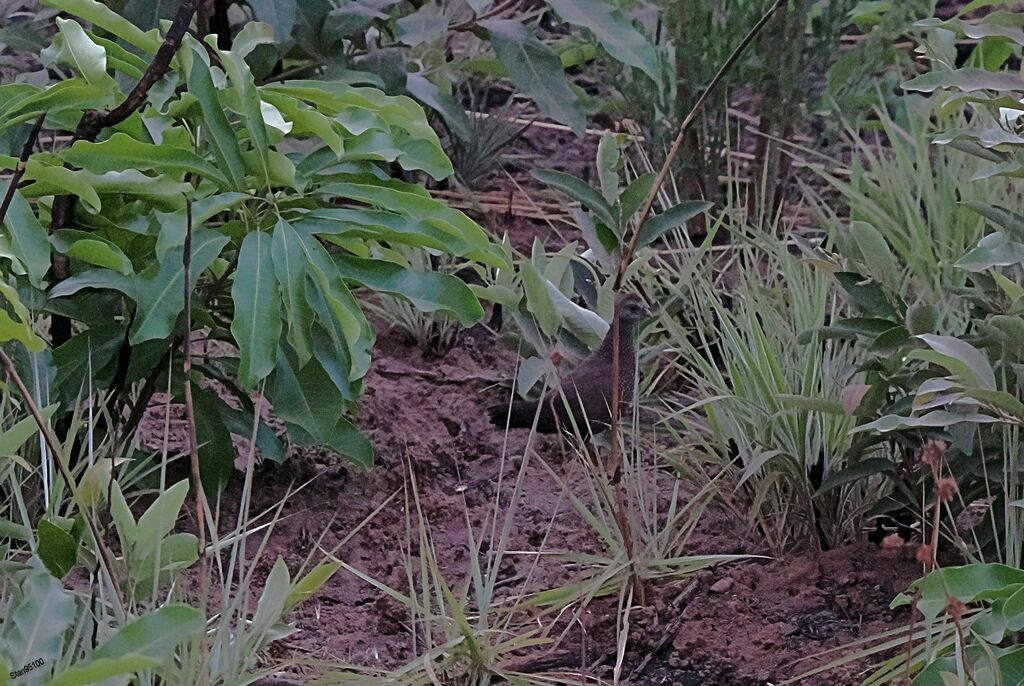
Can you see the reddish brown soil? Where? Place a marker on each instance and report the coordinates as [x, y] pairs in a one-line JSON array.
[[426, 418]]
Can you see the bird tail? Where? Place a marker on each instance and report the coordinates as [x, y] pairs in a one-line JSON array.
[[518, 415]]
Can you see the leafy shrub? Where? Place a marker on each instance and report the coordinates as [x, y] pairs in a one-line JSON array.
[[279, 241]]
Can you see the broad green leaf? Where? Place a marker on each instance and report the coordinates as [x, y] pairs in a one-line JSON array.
[[177, 551], [670, 219], [13, 438], [57, 549], [159, 518], [580, 191], [305, 587], [608, 167], [256, 325], [1002, 217], [95, 671], [70, 95], [350, 222], [427, 209], [221, 136], [967, 80], [28, 237], [280, 14], [56, 180], [307, 120], [244, 88], [857, 472], [994, 250], [100, 16], [155, 635], [160, 288], [272, 600], [94, 278], [972, 363], [35, 628], [428, 291], [615, 32], [538, 299], [877, 254], [289, 261], [444, 104], [121, 151], [74, 47], [19, 329], [84, 246], [309, 401], [536, 69], [426, 24], [216, 449], [935, 419], [967, 583]]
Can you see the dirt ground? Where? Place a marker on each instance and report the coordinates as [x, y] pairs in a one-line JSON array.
[[754, 622]]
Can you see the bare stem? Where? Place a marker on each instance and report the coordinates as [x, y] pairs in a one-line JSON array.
[[193, 439]]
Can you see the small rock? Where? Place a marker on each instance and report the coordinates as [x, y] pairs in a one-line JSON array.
[[722, 585]]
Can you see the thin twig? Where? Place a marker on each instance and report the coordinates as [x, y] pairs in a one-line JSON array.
[[89, 127], [614, 461], [193, 439], [58, 456], [19, 171]]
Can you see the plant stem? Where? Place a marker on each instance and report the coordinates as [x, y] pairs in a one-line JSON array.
[[193, 440], [19, 171]]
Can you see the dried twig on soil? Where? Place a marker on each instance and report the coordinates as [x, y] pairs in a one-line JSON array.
[[678, 613]]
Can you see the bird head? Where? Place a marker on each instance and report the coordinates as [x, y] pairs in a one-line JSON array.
[[631, 309]]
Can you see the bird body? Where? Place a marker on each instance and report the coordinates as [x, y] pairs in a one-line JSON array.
[[587, 389]]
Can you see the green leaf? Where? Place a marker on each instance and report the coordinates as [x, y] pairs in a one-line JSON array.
[[428, 291], [635, 194], [57, 549], [256, 325], [121, 151], [608, 167], [74, 47], [290, 270], [305, 587], [994, 250], [94, 278], [222, 138], [670, 219], [160, 288], [100, 16], [536, 69], [859, 471], [1002, 217], [426, 24], [158, 520], [580, 191], [444, 104], [967, 80], [538, 299], [307, 120], [309, 401], [95, 671], [28, 237], [82, 245], [280, 14], [19, 329], [272, 601], [35, 628], [615, 32], [427, 209], [245, 91], [155, 635], [967, 361], [868, 296], [13, 438], [216, 449], [877, 254]]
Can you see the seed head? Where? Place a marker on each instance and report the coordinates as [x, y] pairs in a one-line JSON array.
[[926, 555], [932, 453], [945, 489]]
